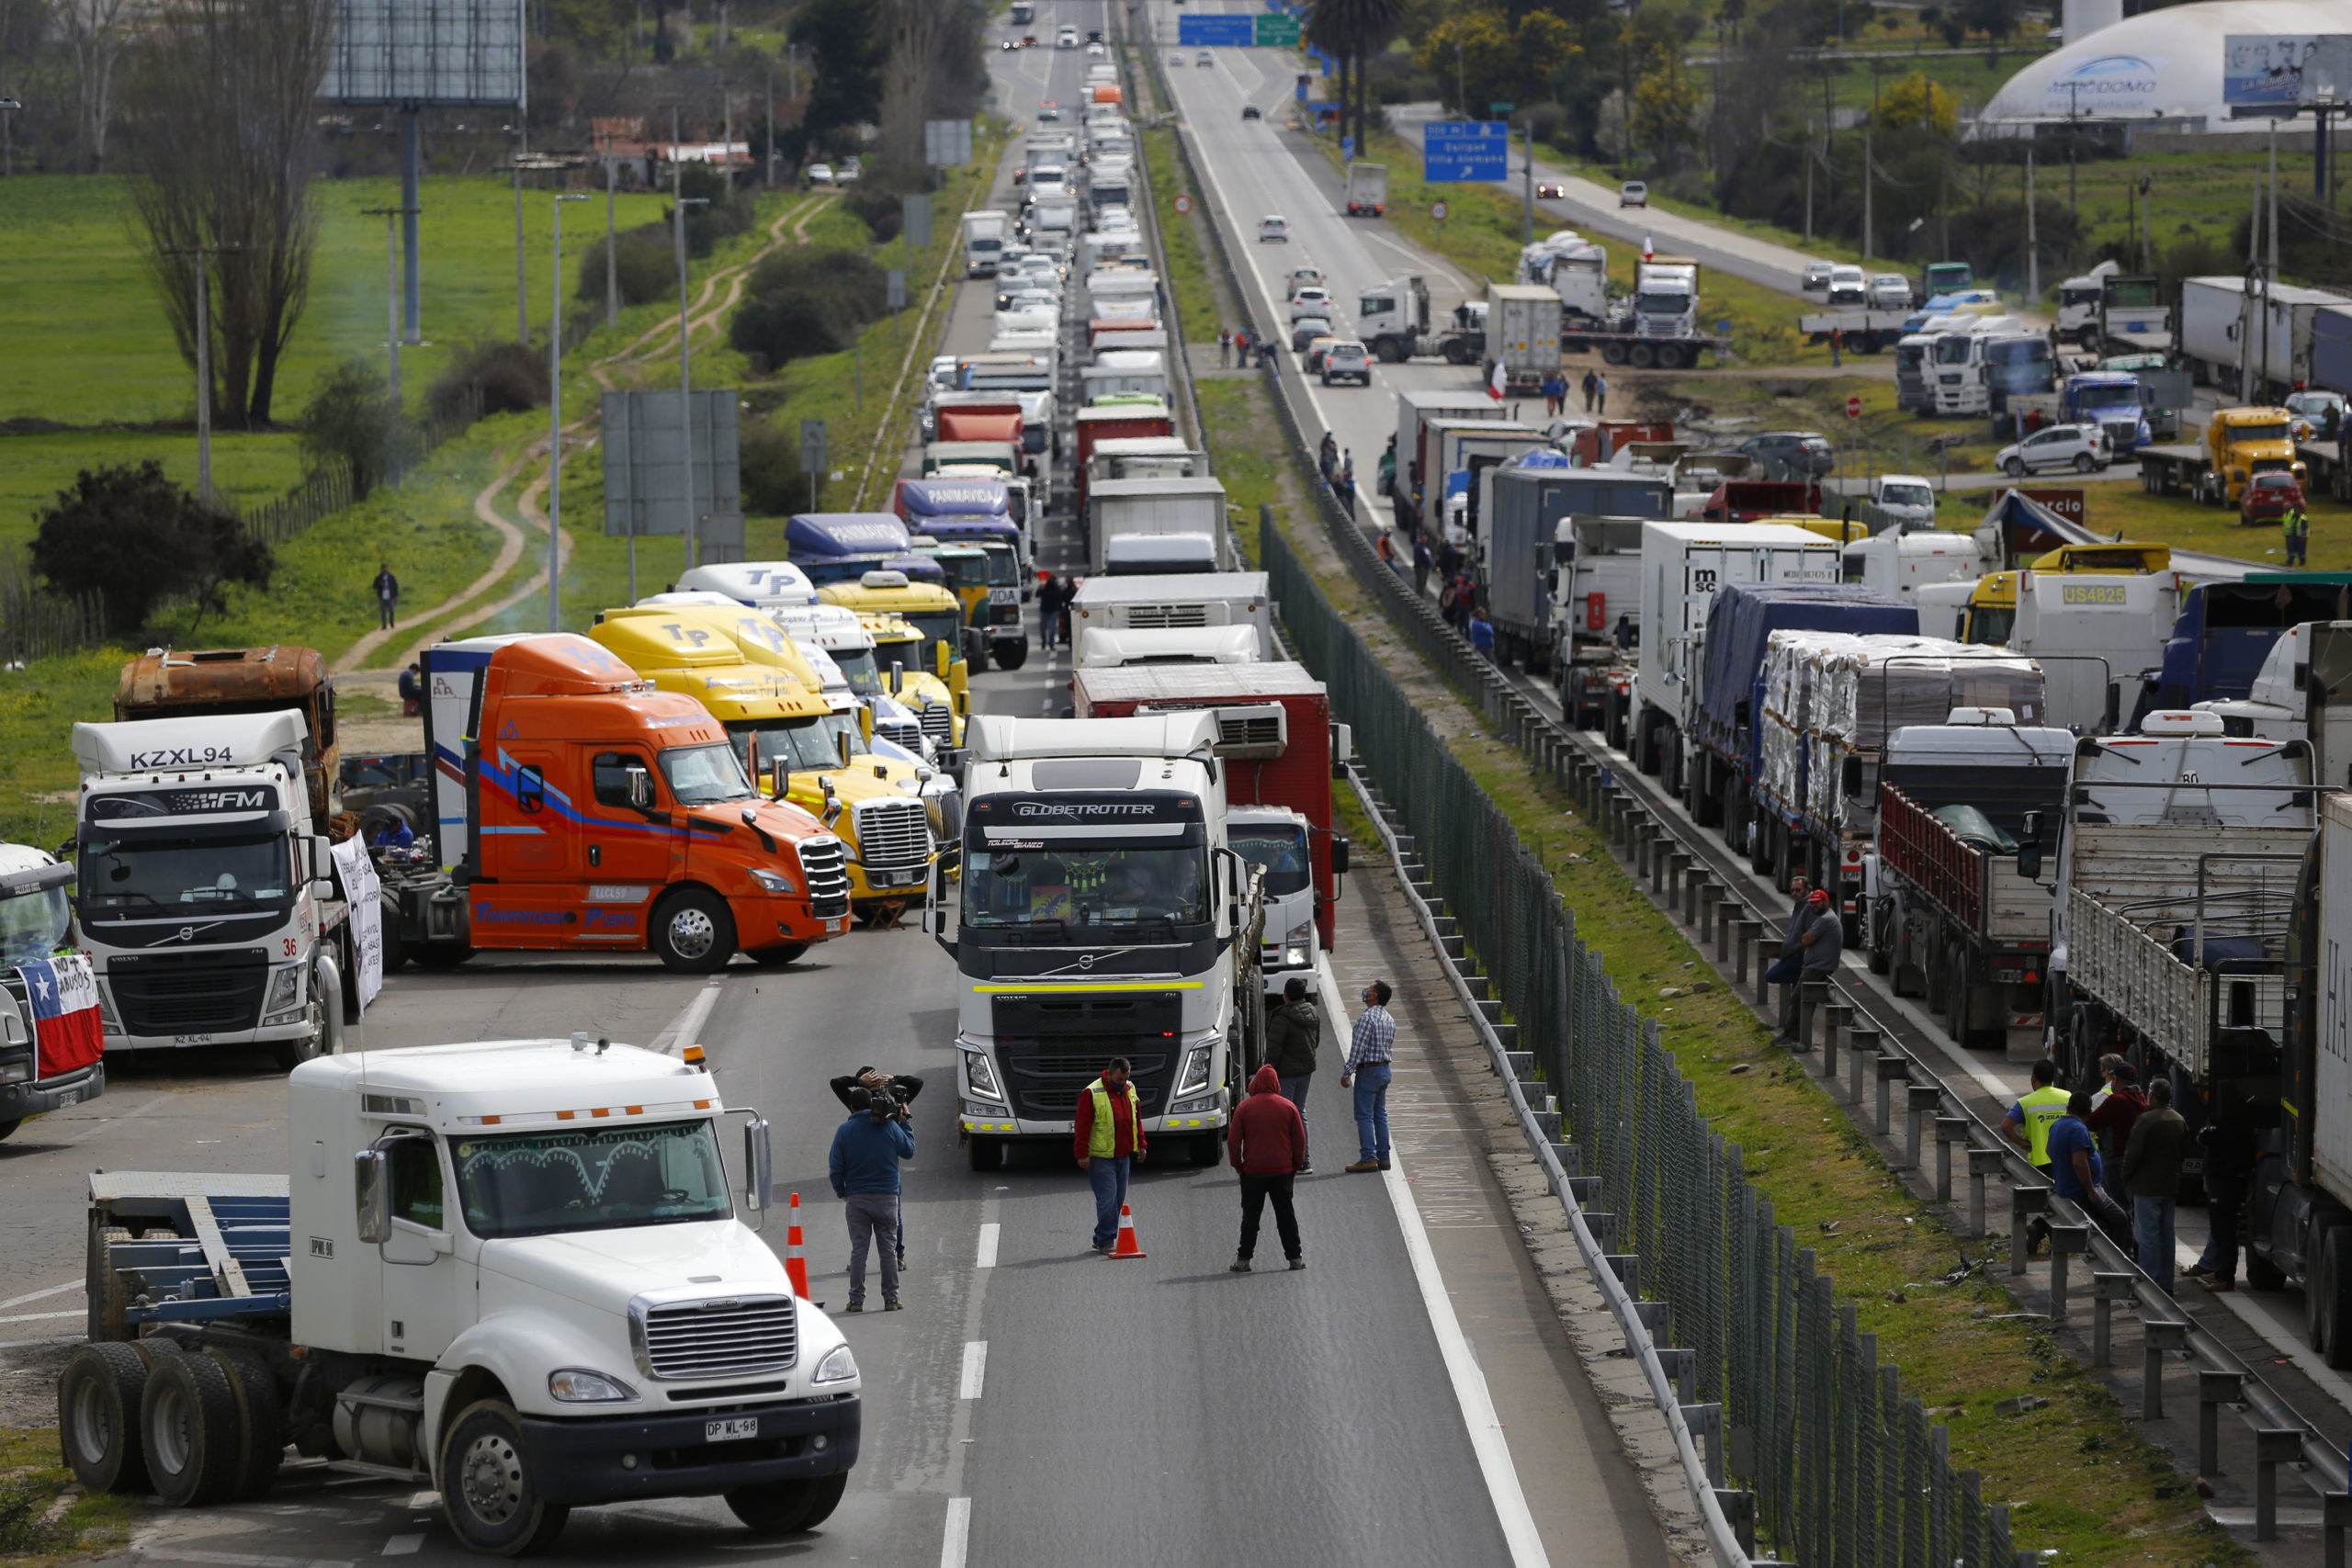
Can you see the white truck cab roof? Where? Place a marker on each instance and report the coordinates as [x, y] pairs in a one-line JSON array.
[[1117, 647], [185, 745], [757, 582], [515, 1085], [997, 737]]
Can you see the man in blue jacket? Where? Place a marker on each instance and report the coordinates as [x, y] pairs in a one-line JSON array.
[[867, 1148]]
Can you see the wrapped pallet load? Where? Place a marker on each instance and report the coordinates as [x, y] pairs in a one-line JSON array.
[[1864, 693]]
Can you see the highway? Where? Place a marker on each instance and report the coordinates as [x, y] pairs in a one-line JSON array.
[[1036, 1404]]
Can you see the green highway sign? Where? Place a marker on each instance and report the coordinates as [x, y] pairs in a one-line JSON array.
[[1277, 29], [1500, 107]]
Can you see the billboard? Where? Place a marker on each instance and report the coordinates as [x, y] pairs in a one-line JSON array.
[[1464, 149], [2270, 73], [426, 51], [2109, 85], [645, 483]]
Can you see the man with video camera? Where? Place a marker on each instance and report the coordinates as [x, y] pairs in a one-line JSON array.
[[900, 1087], [867, 1148]]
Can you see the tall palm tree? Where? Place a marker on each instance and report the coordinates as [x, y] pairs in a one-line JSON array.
[[1352, 30]]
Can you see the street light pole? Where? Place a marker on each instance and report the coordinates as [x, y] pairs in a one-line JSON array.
[[391, 217], [679, 202], [612, 253], [555, 425], [522, 296], [203, 254]]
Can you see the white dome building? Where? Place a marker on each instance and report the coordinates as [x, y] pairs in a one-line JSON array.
[[2160, 64]]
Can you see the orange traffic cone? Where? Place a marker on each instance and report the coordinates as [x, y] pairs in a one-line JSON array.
[[795, 1265], [1127, 1246]]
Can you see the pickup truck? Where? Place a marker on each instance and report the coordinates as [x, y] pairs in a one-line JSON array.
[[512, 1272]]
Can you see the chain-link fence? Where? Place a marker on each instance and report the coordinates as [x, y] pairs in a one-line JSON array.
[[1845, 1469]]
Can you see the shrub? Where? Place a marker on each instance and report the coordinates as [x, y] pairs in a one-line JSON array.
[[800, 303], [768, 460], [509, 376], [134, 538], [353, 420], [726, 211], [648, 268], [878, 209]]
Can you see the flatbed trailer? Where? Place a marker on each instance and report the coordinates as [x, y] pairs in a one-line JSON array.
[[1617, 346], [2179, 468]]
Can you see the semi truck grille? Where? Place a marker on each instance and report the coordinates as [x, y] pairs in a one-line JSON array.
[[1053, 1044], [893, 835], [901, 732], [939, 723], [211, 994], [702, 1340], [826, 870], [1142, 615]]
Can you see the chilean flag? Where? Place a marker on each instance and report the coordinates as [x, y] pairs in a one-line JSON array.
[[64, 998], [1499, 383]]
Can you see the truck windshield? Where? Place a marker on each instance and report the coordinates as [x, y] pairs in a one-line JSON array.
[[1085, 886], [1655, 304], [1282, 851], [802, 744], [705, 775], [2241, 433], [1003, 568], [544, 1183], [1991, 625], [1906, 495], [856, 665], [939, 625], [2106, 396], [32, 925], [233, 871], [1952, 349]]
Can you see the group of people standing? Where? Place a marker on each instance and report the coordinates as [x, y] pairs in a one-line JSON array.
[[1054, 596]]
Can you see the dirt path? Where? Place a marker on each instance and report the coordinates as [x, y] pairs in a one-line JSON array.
[[790, 227]]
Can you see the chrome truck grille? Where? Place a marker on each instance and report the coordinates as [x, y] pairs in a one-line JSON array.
[[826, 870], [893, 835], [1168, 615], [720, 1337], [939, 723]]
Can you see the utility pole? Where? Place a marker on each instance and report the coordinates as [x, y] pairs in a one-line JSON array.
[[678, 205], [1531, 177], [11, 106], [1867, 184], [2032, 235], [522, 296], [554, 423], [1808, 179], [768, 177], [391, 217], [204, 254], [612, 251], [2073, 128]]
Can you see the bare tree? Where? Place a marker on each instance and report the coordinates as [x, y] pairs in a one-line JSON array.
[[226, 98], [96, 32]]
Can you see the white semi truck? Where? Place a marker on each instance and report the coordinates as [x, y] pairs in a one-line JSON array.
[[512, 1272], [207, 894], [1103, 913]]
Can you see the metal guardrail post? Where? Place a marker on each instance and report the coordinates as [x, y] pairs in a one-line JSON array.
[[2108, 1291], [2273, 1446], [1739, 1512], [1950, 1130], [2214, 1389], [1764, 947], [1710, 894], [2024, 1204], [1892, 1068], [2065, 1242], [1724, 922], [1706, 1421], [1840, 1017], [1922, 1100], [2336, 1514], [2158, 1341], [1830, 1038], [1680, 1365], [1861, 1045]]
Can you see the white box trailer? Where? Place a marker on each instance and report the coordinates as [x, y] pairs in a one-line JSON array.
[[2221, 330], [1413, 409], [1116, 509], [1683, 565], [1204, 599], [1522, 334], [984, 234]]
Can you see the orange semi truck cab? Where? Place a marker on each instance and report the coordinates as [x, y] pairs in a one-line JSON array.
[[579, 809]]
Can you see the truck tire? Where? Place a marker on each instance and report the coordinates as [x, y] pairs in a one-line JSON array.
[[692, 933], [984, 1154], [785, 1508], [487, 1490], [108, 1294], [97, 1418], [438, 955], [1385, 350], [1012, 655], [260, 1436], [2327, 1297], [188, 1431], [1641, 357], [9, 1127], [1612, 353]]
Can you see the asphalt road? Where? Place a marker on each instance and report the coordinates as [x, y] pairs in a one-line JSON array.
[[1035, 1405]]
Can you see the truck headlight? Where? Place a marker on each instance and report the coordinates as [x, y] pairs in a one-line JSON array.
[[578, 1385], [1195, 1076], [1298, 945], [775, 881], [839, 1366], [284, 995], [979, 1079]]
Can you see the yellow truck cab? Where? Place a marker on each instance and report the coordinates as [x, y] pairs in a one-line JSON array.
[[2242, 443], [1843, 531], [776, 723], [937, 697], [931, 610], [1993, 607]]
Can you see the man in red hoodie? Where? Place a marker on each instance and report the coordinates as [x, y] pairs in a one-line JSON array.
[[1267, 1142]]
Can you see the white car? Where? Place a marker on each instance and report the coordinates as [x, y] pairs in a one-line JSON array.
[[1633, 193], [1205, 58], [1176, 57], [2082, 447], [820, 173], [1066, 38], [1273, 226], [1307, 303], [1095, 51]]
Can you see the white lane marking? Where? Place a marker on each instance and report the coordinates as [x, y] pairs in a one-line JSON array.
[[1470, 1391], [41, 1316], [989, 1235], [976, 1368], [424, 1500], [687, 1025], [403, 1545], [952, 1545], [38, 1295]]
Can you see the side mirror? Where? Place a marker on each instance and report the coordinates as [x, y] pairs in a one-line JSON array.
[[321, 860], [2030, 852], [1343, 746], [960, 679], [640, 789], [841, 743], [780, 779], [66, 849], [943, 658], [759, 1166], [935, 922], [866, 724], [1338, 855], [371, 1182]]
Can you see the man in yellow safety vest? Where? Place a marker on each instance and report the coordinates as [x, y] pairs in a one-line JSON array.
[[2028, 1122], [1109, 1137]]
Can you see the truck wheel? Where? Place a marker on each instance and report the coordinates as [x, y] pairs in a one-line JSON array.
[[106, 1292], [97, 1417], [1385, 350], [187, 1430], [1612, 353], [777, 957], [1012, 655], [783, 1507], [2327, 1313], [692, 933], [487, 1489], [261, 1440], [984, 1154], [1641, 355]]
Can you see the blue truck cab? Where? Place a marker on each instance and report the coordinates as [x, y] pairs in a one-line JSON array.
[[2225, 630], [842, 547]]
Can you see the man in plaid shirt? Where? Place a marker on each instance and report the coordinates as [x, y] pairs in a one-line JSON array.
[[1369, 1054]]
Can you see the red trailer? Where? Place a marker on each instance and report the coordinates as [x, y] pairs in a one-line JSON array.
[[980, 422], [1586, 445], [1280, 747]]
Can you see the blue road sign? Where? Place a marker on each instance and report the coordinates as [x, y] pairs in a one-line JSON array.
[[1210, 30], [1348, 148], [1464, 149]]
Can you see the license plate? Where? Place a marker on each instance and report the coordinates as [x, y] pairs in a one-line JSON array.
[[731, 1429], [71, 1097], [839, 924]]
